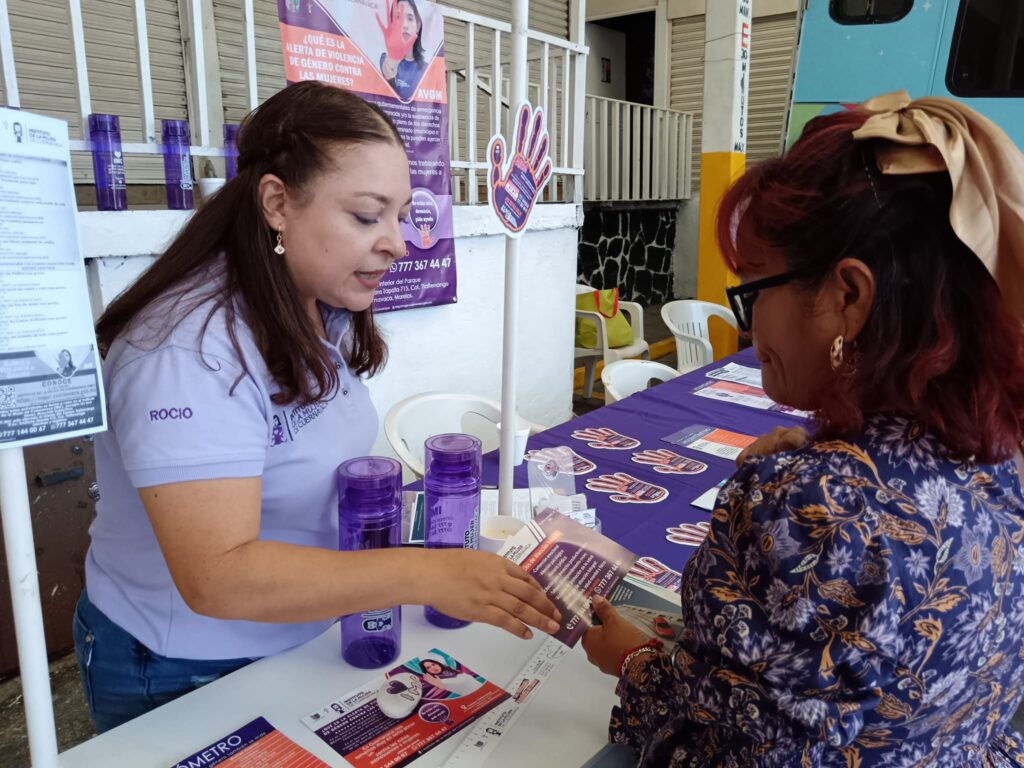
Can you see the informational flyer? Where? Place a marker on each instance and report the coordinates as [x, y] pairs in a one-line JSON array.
[[715, 442], [255, 745], [653, 609], [571, 562], [741, 374], [50, 385], [744, 394], [391, 53], [397, 717], [707, 500]]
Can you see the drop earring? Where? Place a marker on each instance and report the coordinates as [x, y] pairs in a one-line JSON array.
[[836, 353], [279, 248]]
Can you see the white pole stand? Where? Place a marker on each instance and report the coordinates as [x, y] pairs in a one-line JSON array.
[[28, 611], [509, 418]]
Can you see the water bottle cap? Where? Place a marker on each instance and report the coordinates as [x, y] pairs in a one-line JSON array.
[[370, 473], [231, 131], [105, 123], [174, 129], [453, 453]]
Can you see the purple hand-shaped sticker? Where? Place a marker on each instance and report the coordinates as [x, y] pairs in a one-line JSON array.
[[516, 182], [606, 439], [627, 489], [688, 534], [669, 462]]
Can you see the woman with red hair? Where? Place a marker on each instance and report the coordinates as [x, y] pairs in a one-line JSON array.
[[859, 599]]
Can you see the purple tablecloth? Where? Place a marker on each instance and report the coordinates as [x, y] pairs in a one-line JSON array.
[[649, 416]]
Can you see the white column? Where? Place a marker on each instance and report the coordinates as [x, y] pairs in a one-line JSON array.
[[662, 55]]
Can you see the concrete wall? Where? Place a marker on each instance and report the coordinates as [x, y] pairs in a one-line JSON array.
[[608, 44], [456, 347], [684, 260]]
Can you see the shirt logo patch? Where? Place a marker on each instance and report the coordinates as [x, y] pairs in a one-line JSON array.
[[288, 424]]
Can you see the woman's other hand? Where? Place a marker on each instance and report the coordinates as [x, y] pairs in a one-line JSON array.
[[479, 586], [606, 644], [778, 440]]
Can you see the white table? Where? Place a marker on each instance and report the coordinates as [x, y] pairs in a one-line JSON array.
[[564, 724]]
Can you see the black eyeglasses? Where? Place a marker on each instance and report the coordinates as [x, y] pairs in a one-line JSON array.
[[743, 296]]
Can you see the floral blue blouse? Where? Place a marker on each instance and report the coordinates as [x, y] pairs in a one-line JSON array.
[[855, 604]]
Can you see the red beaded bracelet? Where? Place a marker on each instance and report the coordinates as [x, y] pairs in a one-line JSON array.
[[651, 646]]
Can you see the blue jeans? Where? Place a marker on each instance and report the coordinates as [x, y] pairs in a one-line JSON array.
[[122, 678]]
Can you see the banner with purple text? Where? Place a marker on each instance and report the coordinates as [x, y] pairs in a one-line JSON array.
[[391, 53]]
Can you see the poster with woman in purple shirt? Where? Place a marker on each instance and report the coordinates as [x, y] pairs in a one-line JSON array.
[[390, 52]]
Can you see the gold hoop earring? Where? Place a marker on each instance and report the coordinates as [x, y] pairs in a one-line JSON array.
[[279, 248], [836, 353]]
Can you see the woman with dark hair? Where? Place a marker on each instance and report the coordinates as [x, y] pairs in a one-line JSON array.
[[402, 63], [449, 679], [234, 371], [65, 365], [859, 599]]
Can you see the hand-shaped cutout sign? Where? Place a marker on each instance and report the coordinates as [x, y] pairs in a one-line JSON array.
[[515, 182]]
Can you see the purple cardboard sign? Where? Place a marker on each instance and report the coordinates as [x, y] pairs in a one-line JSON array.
[[516, 181], [391, 53]]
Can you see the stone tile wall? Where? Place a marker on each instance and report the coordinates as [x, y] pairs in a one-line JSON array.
[[629, 248]]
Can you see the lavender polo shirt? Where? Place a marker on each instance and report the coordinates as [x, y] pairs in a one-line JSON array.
[[174, 417]]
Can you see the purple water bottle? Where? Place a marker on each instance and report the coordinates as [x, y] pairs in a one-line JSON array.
[[108, 162], [451, 501], [177, 164], [230, 151], [370, 517]]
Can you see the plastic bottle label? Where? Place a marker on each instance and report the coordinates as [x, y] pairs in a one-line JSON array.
[[378, 621], [471, 540], [115, 170], [186, 172], [454, 523]]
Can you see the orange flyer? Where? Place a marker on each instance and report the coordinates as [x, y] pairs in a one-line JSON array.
[[255, 745], [394, 719]]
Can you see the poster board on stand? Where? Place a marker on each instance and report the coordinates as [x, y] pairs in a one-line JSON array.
[[50, 384], [391, 53]]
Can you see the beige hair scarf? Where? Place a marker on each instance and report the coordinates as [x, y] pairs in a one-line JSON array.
[[987, 170]]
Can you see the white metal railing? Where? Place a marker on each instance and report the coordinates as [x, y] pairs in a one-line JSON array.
[[563, 98], [195, 63], [636, 151], [556, 82]]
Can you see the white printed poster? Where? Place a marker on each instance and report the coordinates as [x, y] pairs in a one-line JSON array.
[[50, 384]]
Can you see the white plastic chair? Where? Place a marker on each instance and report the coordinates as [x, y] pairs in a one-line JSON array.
[[639, 347], [411, 421], [626, 377], [688, 322]]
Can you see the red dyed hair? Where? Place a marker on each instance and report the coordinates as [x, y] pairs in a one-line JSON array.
[[940, 344]]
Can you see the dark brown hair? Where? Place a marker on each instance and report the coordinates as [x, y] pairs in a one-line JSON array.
[[940, 344], [290, 136]]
